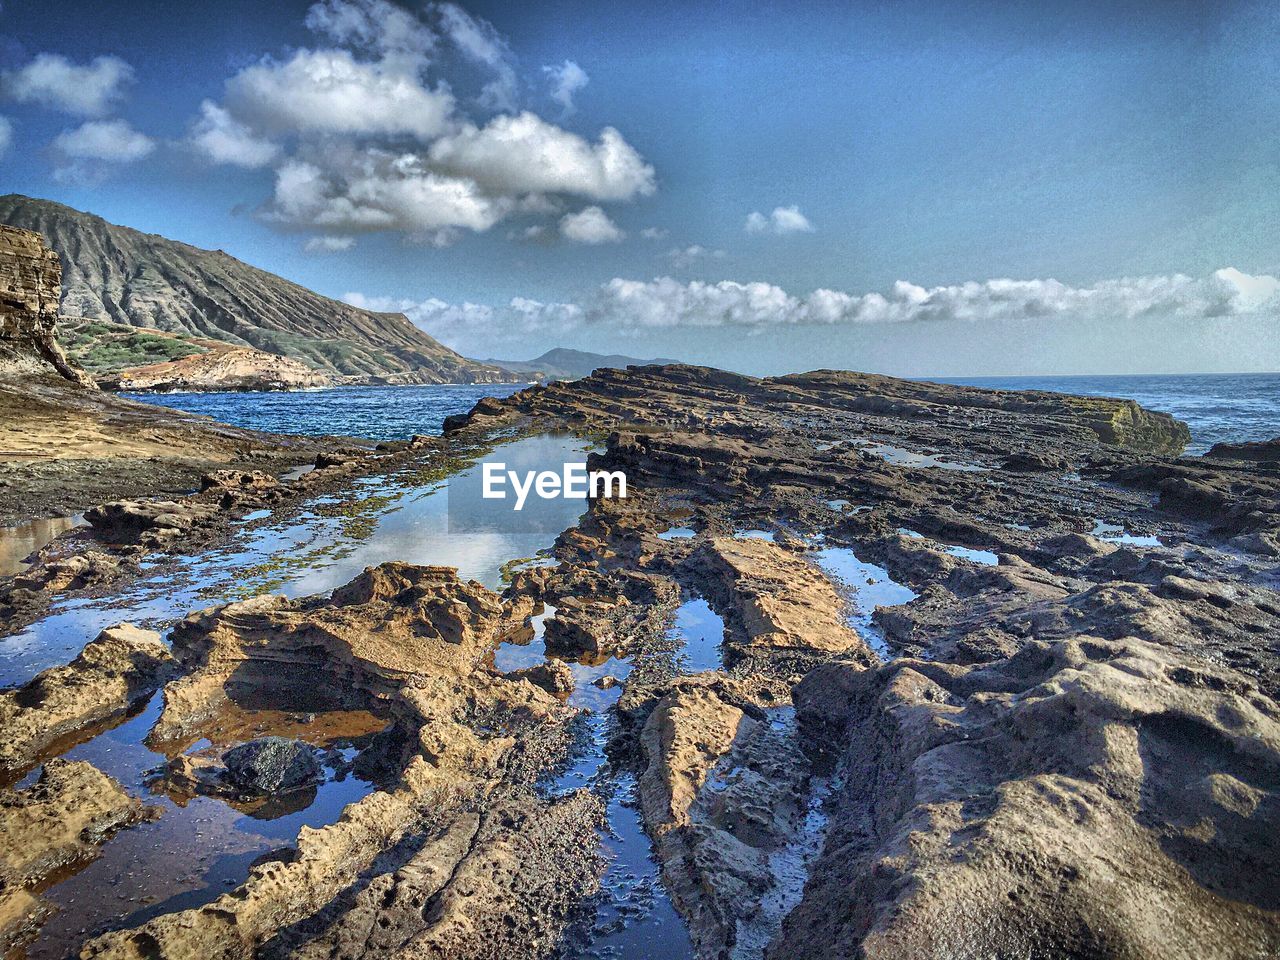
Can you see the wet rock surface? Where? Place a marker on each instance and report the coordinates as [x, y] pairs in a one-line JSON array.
[[271, 765], [1073, 734], [54, 825], [113, 672], [977, 674]]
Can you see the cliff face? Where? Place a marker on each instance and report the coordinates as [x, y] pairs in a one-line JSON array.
[[30, 287], [113, 273]]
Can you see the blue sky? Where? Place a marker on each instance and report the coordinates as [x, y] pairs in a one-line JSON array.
[[1118, 161]]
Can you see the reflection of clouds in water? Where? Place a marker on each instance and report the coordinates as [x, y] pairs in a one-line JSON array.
[[452, 526], [307, 554]]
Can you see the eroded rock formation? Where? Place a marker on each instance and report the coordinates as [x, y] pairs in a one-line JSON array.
[[57, 823], [30, 287]]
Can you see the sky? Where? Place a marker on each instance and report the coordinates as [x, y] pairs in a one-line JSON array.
[[946, 189]]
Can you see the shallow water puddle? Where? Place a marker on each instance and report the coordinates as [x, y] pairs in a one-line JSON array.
[[903, 457], [984, 558], [867, 586], [677, 533], [387, 518], [1114, 533], [754, 534], [702, 631], [18, 543], [201, 847], [632, 918], [198, 848], [790, 864]]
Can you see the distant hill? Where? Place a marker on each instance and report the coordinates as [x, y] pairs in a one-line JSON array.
[[119, 275], [565, 364]]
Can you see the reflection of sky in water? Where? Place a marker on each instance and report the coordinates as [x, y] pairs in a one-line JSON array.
[[984, 558], [198, 850], [1114, 533], [188, 856], [677, 533], [386, 518], [909, 458], [868, 586], [702, 631]]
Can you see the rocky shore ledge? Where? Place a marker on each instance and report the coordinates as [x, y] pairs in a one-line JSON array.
[[1058, 737]]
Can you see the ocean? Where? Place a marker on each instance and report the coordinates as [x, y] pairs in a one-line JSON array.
[[1217, 407]]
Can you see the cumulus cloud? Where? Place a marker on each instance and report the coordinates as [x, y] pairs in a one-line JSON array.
[[664, 302], [52, 80], [223, 139], [590, 225], [329, 91], [376, 27], [364, 134], [371, 190], [687, 256], [113, 141], [6, 135], [654, 233], [630, 306], [783, 221], [525, 154], [566, 80], [329, 244]]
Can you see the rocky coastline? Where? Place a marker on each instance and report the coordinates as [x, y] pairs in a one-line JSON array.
[[1059, 737]]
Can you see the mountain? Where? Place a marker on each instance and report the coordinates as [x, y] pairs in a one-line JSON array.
[[123, 276], [562, 363]]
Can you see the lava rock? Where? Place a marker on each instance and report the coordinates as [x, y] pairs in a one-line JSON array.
[[272, 765]]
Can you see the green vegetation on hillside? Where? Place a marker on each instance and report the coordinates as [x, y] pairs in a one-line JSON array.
[[104, 348]]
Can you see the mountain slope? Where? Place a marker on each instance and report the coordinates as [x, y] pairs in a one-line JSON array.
[[119, 274], [562, 363]]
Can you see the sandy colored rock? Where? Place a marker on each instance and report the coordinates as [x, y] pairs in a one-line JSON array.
[[777, 599], [222, 367], [58, 822], [1092, 798], [554, 676], [113, 672], [410, 641], [721, 793]]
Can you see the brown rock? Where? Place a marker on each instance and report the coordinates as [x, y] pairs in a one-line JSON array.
[[55, 824], [113, 672]]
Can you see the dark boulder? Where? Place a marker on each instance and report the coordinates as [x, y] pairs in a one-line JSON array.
[[272, 765]]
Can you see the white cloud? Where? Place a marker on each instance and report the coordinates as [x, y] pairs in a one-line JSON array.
[[385, 30], [330, 92], [624, 306], [665, 302], [52, 80], [782, 221], [374, 190], [688, 256], [363, 138], [590, 225], [654, 233], [455, 324], [480, 43], [112, 141], [329, 244], [525, 154], [223, 139], [566, 79], [6, 135]]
